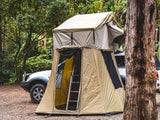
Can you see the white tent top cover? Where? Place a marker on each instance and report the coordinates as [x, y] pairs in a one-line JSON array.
[[98, 30]]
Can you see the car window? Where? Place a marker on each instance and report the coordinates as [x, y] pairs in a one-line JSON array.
[[120, 61], [59, 74], [157, 63]]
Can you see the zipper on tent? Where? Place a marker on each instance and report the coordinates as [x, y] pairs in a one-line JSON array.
[[93, 37], [71, 38]]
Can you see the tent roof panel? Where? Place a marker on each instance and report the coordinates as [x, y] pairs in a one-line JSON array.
[[85, 22]]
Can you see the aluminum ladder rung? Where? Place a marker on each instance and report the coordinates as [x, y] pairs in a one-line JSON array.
[[74, 91], [75, 82], [76, 75], [73, 101]]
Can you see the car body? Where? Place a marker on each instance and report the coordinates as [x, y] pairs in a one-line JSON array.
[[120, 58], [35, 83]]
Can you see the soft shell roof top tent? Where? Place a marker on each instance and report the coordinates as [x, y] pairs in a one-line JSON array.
[[89, 30], [87, 81]]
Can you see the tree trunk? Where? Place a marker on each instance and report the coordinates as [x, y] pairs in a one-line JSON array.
[[140, 102], [26, 51], [0, 36]]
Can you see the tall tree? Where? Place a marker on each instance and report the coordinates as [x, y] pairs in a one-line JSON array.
[[1, 20], [140, 102], [0, 36], [25, 23]]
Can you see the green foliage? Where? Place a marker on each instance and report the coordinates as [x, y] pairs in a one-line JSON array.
[[12, 79], [58, 12], [94, 6], [86, 6], [38, 63], [158, 4], [158, 12], [4, 76], [120, 9], [5, 70], [157, 48], [25, 23], [42, 60]]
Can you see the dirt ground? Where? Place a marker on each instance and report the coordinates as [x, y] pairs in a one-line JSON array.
[[15, 104]]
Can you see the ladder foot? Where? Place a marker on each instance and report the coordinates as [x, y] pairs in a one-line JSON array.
[[78, 116]]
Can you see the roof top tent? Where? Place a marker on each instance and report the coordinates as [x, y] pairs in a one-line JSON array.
[[89, 30], [87, 81]]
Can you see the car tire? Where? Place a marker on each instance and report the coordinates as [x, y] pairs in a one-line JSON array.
[[37, 92], [158, 90]]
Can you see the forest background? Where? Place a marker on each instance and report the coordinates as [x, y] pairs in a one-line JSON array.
[[26, 26]]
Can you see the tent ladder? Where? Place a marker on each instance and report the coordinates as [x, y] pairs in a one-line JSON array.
[[74, 92], [69, 90]]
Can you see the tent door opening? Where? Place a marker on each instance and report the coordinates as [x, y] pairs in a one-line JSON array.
[[67, 95]]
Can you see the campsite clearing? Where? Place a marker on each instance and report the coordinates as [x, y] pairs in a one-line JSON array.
[[15, 104]]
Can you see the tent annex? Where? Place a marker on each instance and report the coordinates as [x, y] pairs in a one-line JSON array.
[[84, 77], [90, 83]]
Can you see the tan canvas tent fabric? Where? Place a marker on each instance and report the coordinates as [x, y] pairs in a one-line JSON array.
[[97, 95], [97, 30], [90, 82]]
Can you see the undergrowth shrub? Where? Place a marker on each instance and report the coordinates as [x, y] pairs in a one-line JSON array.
[[38, 63]]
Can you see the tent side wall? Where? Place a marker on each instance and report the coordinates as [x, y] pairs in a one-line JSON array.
[[48, 100], [98, 94], [91, 99], [103, 37], [81, 38], [120, 91], [114, 94]]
